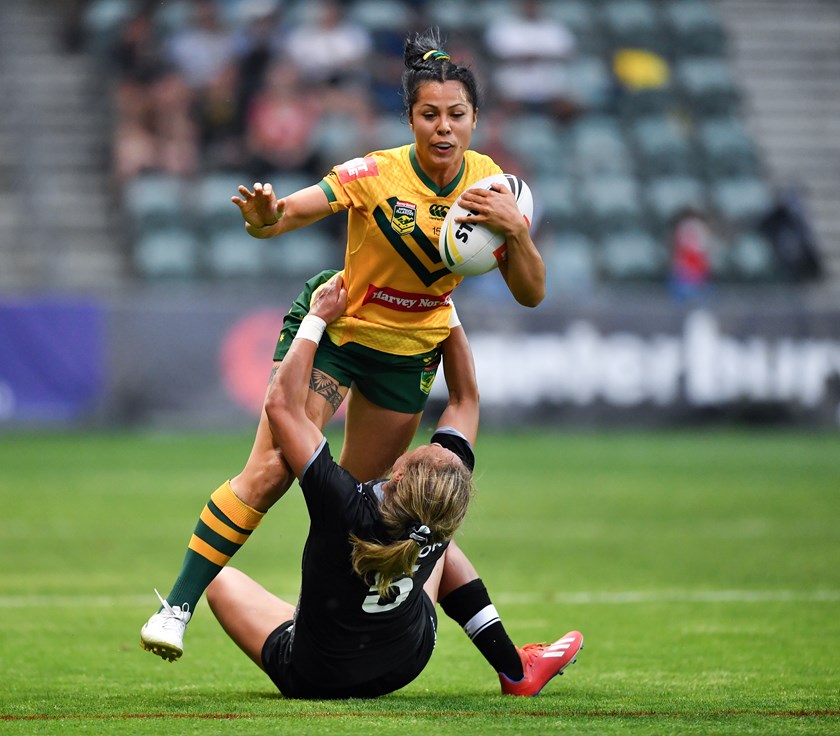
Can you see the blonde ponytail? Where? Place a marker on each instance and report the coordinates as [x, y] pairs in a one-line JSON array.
[[425, 505]]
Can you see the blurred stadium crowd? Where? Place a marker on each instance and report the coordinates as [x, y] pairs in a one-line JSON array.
[[623, 115]]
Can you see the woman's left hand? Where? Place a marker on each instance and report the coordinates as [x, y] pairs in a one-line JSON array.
[[496, 208]]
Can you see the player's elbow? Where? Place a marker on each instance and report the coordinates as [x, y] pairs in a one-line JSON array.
[[278, 409], [531, 297]]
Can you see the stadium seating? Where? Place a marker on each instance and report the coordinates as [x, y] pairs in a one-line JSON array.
[[569, 262], [302, 253], [165, 253], [233, 253], [633, 24], [600, 147], [727, 148], [663, 146], [211, 205], [607, 181], [708, 85], [591, 83], [751, 258], [155, 201], [695, 27], [380, 15], [339, 138], [632, 255], [612, 202], [667, 196], [741, 201], [557, 202], [542, 149]]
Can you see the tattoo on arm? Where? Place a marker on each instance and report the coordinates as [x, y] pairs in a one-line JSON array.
[[273, 373], [327, 387]]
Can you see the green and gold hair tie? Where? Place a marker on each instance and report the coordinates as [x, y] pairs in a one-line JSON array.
[[436, 55]]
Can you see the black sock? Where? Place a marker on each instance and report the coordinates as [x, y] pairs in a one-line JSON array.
[[470, 606]]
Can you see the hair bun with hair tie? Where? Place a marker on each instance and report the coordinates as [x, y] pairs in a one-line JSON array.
[[436, 55], [420, 534]]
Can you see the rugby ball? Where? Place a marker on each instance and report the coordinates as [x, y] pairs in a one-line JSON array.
[[472, 249]]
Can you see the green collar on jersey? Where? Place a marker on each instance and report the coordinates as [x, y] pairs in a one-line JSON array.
[[440, 191]]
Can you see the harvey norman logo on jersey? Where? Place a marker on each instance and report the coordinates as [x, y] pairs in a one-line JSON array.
[[404, 301]]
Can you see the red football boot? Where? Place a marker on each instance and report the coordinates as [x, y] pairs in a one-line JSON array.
[[541, 662]]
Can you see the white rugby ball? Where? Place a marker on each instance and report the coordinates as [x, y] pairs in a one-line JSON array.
[[471, 249]]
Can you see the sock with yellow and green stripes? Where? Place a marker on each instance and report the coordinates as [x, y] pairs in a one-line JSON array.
[[224, 526]]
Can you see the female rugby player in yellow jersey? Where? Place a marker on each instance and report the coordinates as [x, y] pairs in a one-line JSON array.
[[399, 314]]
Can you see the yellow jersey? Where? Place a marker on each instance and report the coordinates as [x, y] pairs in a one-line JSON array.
[[398, 290]]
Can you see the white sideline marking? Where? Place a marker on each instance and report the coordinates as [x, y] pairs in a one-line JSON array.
[[671, 596], [581, 598]]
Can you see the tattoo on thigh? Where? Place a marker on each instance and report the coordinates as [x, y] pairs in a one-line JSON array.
[[327, 387]]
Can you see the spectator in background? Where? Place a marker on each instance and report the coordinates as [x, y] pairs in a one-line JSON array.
[[138, 52], [281, 124], [154, 130], [201, 50], [691, 247], [257, 44], [531, 54], [331, 55], [387, 66], [219, 120]]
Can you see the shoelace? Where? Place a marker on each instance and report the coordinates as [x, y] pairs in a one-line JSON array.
[[532, 652], [176, 614]]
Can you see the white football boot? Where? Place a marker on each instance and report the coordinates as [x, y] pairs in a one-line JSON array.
[[163, 633]]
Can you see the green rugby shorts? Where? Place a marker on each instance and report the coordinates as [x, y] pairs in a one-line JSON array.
[[397, 382]]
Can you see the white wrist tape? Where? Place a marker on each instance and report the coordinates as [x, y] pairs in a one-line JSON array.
[[311, 328], [454, 320]]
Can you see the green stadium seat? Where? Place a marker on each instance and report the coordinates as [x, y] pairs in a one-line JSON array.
[[557, 202], [600, 147], [570, 262], [391, 131], [233, 253], [751, 258], [727, 148], [634, 24], [177, 15], [611, 202], [101, 22], [340, 138], [378, 15], [741, 201], [165, 253], [696, 28], [212, 208], [632, 255], [663, 146], [668, 195], [454, 17], [576, 15], [591, 83], [580, 18], [155, 201], [542, 150], [708, 86], [287, 182], [303, 253]]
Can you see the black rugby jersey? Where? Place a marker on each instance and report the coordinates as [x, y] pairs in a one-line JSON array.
[[344, 633]]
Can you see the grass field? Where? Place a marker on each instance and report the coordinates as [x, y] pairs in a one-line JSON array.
[[702, 567]]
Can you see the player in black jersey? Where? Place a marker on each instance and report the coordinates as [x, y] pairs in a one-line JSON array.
[[378, 555]]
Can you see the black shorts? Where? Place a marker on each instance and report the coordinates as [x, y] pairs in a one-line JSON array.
[[278, 663]]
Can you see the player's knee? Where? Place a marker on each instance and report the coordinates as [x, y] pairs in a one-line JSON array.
[[262, 484], [215, 592]]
